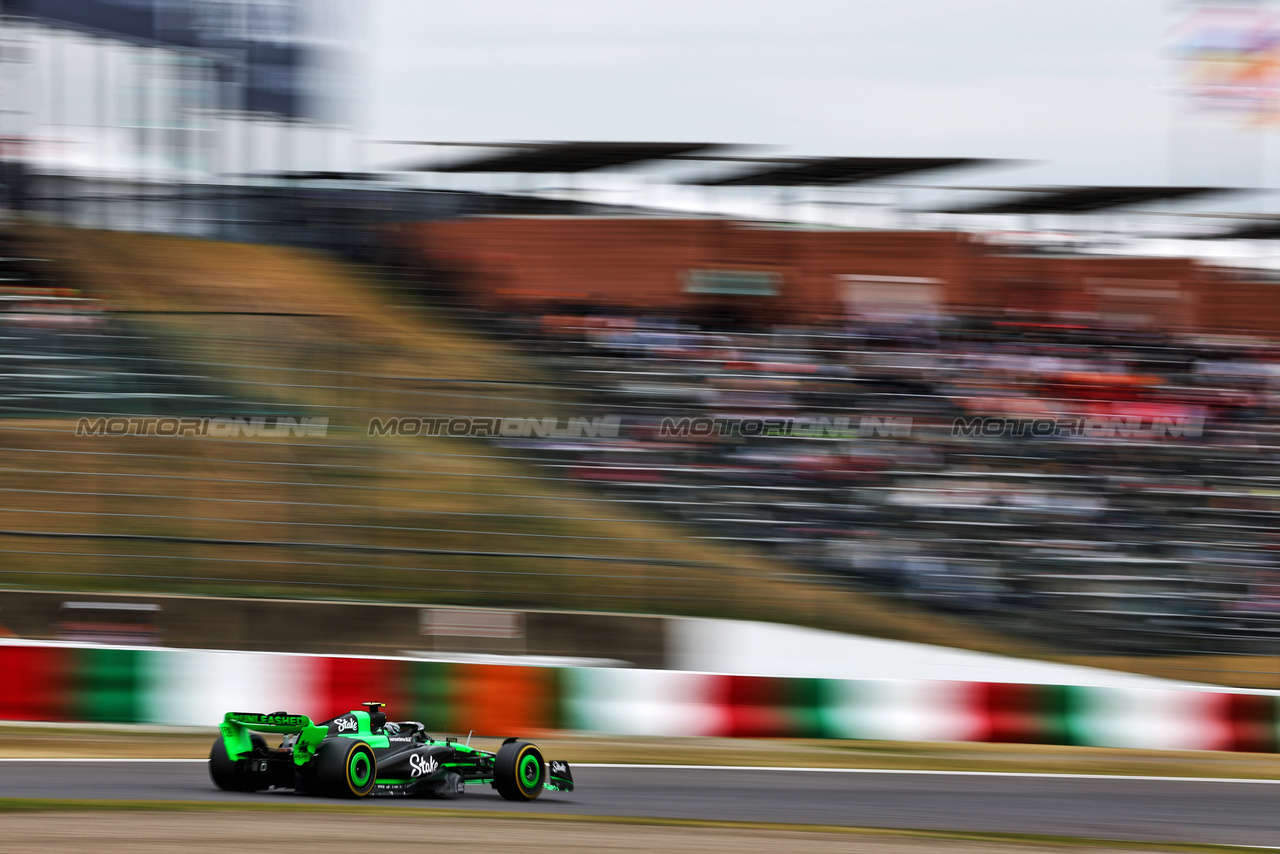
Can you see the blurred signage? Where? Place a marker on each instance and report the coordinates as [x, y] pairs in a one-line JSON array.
[[465, 623], [892, 297], [751, 283], [267, 47], [134, 624], [1229, 57]]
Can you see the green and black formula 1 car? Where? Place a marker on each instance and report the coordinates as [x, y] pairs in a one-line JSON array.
[[362, 753]]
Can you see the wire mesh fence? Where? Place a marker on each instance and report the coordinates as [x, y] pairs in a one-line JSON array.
[[140, 454]]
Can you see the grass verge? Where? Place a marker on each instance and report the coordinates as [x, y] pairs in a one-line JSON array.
[[473, 818]]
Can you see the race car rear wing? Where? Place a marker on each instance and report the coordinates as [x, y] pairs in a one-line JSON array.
[[236, 726]]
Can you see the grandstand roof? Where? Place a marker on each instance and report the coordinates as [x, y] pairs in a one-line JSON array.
[[1067, 200], [565, 157], [832, 171], [318, 176], [1267, 228]]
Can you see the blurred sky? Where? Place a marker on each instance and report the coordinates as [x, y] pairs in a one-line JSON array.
[[1082, 85]]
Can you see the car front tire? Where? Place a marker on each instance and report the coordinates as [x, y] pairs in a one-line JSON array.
[[519, 772]]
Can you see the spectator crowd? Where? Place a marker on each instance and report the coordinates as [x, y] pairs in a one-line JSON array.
[[1112, 488]]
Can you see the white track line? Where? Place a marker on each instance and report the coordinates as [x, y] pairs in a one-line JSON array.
[[794, 769], [82, 761], [918, 772]]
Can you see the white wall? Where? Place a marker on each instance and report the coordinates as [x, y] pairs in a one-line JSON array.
[[768, 649]]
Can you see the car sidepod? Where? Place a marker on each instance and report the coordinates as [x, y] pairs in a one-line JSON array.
[[432, 769]]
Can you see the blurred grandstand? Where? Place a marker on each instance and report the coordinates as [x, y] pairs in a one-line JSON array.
[[1107, 536], [737, 294], [1128, 540]]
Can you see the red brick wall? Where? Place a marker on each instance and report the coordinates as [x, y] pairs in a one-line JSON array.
[[1227, 305], [639, 263]]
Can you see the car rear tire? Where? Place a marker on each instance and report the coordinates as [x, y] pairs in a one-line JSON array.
[[345, 768], [519, 772], [224, 770]]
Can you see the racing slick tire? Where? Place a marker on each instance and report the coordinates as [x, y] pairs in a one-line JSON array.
[[222, 768], [519, 772], [345, 768]]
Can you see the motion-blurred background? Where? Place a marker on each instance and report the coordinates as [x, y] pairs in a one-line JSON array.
[[1047, 411]]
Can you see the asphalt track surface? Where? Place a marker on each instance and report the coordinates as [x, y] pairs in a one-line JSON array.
[[1144, 809]]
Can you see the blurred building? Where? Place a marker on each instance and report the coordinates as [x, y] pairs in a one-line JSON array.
[[152, 114], [758, 273]]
